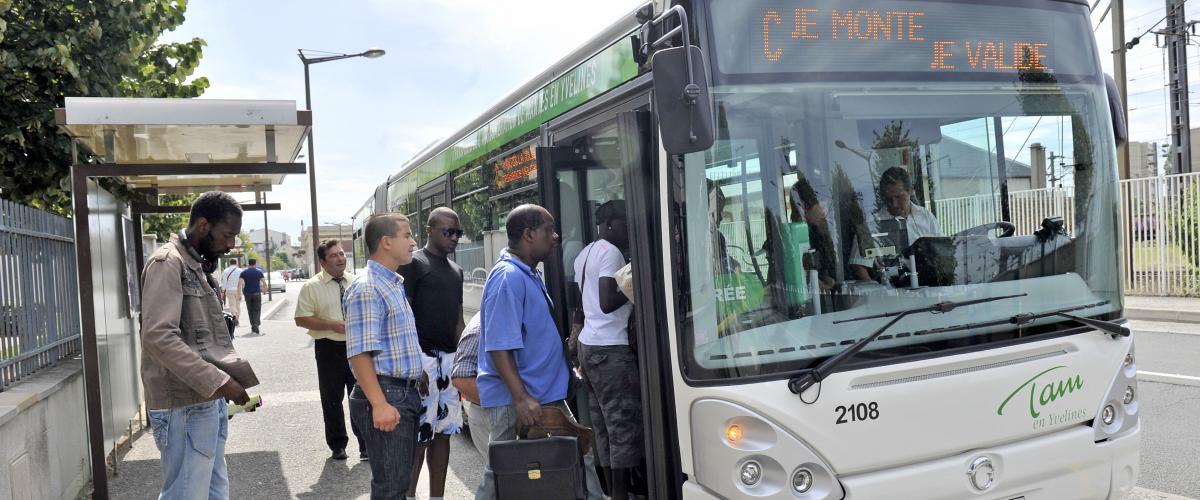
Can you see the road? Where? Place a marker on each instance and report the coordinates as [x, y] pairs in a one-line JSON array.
[[1170, 412], [279, 451]]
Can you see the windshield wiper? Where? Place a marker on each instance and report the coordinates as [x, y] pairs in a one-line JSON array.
[[803, 381], [1099, 324]]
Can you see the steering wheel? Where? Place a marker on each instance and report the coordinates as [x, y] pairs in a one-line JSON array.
[[1007, 229]]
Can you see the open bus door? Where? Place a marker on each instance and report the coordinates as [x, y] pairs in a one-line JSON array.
[[611, 156]]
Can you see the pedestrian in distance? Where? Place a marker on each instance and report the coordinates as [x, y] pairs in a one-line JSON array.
[[610, 365], [182, 328], [230, 280], [433, 285], [319, 309], [251, 285], [385, 354], [522, 366]]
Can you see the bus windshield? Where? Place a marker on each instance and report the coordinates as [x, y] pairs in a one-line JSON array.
[[854, 176]]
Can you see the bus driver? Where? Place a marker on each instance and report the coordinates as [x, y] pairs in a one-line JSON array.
[[896, 190]]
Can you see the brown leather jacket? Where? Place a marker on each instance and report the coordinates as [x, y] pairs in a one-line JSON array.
[[181, 320]]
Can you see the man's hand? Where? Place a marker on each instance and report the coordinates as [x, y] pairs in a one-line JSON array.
[[233, 392], [386, 417], [529, 411], [340, 327]]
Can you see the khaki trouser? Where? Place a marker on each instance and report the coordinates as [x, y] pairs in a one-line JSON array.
[[233, 302]]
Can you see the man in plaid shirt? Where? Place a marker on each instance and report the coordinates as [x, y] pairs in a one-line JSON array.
[[382, 346]]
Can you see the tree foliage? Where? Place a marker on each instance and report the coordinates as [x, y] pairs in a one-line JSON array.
[[50, 49], [165, 225]]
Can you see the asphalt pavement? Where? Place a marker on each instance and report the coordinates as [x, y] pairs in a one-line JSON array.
[[1168, 358], [279, 451]]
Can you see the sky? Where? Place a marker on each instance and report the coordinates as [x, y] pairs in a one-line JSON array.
[[449, 60]]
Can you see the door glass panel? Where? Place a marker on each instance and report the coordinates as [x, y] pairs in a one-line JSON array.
[[589, 173]]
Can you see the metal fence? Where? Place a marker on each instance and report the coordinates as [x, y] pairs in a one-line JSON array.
[[1161, 216], [39, 293], [1160, 221]]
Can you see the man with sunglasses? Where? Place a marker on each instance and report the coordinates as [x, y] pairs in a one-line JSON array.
[[434, 286]]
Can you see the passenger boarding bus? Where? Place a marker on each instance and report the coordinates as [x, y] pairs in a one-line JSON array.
[[875, 242]]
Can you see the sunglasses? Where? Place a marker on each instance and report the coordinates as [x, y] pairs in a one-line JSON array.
[[453, 233]]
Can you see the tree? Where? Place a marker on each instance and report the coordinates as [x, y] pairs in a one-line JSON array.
[[165, 225], [52, 49], [248, 248]]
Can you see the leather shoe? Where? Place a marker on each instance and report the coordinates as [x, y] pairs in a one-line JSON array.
[[362, 455], [339, 454]]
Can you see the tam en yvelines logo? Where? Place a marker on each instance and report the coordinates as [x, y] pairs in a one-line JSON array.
[[1043, 390]]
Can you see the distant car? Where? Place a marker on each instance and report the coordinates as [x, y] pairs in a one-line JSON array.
[[278, 283]]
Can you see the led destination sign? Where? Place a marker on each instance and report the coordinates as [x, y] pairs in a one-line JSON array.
[[808, 36]]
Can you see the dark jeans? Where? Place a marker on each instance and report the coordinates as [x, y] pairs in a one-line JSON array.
[[391, 452], [336, 382], [254, 307]]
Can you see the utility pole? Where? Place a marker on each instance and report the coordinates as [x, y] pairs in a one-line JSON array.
[[1176, 39], [1118, 38]]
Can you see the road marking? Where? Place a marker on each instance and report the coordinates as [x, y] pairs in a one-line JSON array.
[[1168, 378], [1148, 494]]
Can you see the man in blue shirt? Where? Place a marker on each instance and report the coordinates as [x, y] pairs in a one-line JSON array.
[[252, 289], [385, 355], [521, 362]]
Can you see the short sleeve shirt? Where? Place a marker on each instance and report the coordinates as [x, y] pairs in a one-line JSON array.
[[379, 322], [229, 278], [435, 286], [516, 317], [601, 259], [919, 224], [466, 359], [253, 278], [322, 297]]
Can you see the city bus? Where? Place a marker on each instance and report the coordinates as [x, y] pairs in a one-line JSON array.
[[856, 273]]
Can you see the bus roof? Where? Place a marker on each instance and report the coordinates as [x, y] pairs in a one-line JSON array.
[[624, 26]]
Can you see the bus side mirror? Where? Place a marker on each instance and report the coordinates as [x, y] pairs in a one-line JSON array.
[[1115, 107], [682, 106]]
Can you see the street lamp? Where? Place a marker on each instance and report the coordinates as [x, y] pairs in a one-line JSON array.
[[371, 53]]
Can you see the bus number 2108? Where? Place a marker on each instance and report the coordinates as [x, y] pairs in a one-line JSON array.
[[857, 413]]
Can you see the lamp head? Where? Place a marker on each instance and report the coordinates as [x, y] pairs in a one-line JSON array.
[[373, 53]]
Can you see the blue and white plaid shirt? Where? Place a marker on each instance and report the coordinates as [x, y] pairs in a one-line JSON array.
[[379, 321]]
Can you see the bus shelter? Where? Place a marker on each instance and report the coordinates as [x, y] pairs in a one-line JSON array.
[[155, 146]]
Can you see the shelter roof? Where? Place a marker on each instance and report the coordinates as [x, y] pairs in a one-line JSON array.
[[189, 139]]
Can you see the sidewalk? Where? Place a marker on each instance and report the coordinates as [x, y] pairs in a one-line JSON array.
[[279, 451], [1163, 309]]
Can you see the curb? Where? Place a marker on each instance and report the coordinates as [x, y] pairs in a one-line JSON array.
[[1163, 315], [275, 306]]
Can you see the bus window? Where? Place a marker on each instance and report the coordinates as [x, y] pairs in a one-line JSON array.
[[819, 203]]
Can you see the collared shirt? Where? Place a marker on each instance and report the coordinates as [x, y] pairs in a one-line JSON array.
[[322, 297], [379, 322], [516, 317], [919, 224], [466, 359], [229, 278]]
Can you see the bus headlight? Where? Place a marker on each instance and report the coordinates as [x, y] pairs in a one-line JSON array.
[[1108, 415], [802, 481], [1128, 395], [751, 473]]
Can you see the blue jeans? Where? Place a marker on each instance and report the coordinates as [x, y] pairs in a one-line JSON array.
[[191, 440], [504, 428], [391, 452]]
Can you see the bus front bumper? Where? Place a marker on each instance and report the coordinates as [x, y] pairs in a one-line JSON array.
[[1066, 464]]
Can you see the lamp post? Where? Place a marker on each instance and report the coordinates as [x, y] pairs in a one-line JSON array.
[[312, 161]]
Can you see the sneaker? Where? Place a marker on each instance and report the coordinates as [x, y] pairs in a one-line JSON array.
[[339, 454]]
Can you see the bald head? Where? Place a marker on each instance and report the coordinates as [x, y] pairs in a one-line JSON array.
[[530, 230]]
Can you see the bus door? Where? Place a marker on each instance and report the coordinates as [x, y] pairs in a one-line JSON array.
[[611, 156], [433, 194]]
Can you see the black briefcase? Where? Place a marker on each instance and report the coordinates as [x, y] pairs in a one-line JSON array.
[[546, 468]]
